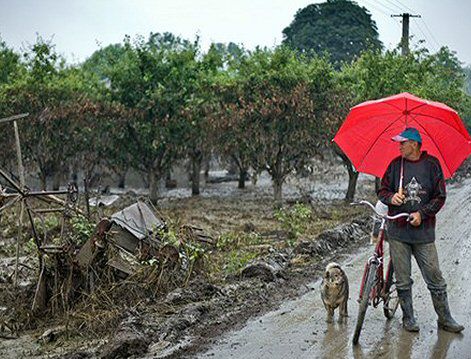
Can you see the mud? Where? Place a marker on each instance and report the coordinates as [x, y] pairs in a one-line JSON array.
[[298, 328], [188, 319]]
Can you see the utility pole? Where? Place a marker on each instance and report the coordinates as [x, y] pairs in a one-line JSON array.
[[405, 32]]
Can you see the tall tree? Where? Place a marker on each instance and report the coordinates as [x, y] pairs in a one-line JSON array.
[[340, 27]]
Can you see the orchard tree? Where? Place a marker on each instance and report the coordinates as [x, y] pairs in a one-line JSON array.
[[230, 125], [197, 110], [10, 69], [228, 121], [340, 27], [40, 91], [281, 111], [154, 79]]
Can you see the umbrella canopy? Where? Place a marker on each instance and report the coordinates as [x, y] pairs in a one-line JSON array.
[[365, 136]]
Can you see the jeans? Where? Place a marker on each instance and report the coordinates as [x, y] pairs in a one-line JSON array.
[[427, 259]]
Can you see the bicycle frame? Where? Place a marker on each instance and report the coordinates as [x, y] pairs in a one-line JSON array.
[[382, 284]]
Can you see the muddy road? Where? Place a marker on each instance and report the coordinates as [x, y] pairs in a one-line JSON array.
[[298, 328]]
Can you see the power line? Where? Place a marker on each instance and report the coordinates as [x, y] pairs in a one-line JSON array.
[[376, 8], [386, 6], [381, 11], [397, 6], [433, 37], [426, 38], [404, 6]]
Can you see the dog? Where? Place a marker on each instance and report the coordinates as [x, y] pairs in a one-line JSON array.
[[334, 291]]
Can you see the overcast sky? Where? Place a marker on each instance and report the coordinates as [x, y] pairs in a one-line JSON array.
[[79, 27]]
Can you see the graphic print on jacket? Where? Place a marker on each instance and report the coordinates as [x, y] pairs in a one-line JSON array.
[[425, 193], [413, 189]]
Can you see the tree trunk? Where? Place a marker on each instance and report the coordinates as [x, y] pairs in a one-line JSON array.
[[43, 180], [206, 167], [122, 179], [153, 180], [277, 188], [242, 177], [196, 160], [377, 184], [352, 184], [73, 173], [352, 174], [56, 180]]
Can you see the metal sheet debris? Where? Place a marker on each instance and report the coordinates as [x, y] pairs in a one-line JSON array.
[[138, 219]]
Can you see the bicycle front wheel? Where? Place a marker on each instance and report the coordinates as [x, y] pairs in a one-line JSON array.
[[365, 299], [391, 300]]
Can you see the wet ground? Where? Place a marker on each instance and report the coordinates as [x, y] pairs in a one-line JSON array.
[[298, 328]]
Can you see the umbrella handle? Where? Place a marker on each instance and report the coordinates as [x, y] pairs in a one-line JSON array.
[[400, 191]]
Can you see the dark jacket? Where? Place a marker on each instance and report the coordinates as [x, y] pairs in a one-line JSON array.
[[424, 188]]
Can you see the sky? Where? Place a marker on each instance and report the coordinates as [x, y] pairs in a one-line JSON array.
[[80, 27]]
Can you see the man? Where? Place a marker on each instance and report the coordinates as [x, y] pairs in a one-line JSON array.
[[424, 194]]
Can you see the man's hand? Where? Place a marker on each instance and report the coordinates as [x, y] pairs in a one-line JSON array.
[[397, 199], [415, 219]]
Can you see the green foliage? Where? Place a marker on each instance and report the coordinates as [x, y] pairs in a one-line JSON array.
[[236, 250], [339, 27], [168, 236], [236, 260], [30, 247], [294, 220], [280, 99], [437, 77], [59, 101], [51, 223], [82, 229], [147, 103], [467, 71], [10, 66], [234, 240]]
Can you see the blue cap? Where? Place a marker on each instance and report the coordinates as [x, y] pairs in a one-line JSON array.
[[409, 134]]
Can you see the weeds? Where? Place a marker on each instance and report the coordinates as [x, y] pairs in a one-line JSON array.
[[294, 220], [82, 229]]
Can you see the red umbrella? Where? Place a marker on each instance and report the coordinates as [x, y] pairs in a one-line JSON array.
[[365, 136]]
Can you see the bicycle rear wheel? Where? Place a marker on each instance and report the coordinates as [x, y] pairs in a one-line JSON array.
[[364, 300], [391, 299]]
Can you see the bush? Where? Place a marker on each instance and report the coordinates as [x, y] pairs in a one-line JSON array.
[[294, 219]]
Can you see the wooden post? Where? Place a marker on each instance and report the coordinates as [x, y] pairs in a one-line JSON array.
[[21, 173]]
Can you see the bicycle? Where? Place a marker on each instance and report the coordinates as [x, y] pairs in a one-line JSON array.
[[375, 286]]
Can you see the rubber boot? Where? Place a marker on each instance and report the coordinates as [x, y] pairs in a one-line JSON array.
[[408, 320], [445, 320]]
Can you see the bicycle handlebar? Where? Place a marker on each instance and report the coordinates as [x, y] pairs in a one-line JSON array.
[[385, 216]]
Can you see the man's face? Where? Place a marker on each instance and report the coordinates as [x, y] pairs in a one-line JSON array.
[[408, 148]]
